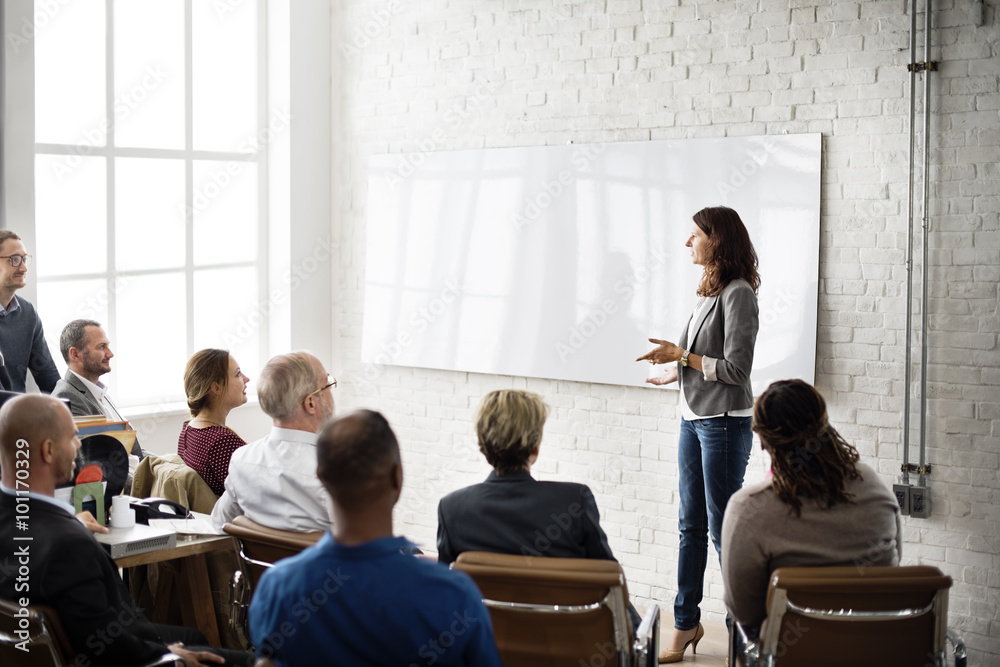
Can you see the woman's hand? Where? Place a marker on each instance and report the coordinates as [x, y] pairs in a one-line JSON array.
[[666, 378], [663, 354]]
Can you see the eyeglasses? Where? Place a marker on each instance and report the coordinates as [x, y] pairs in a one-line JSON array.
[[16, 260], [331, 382]]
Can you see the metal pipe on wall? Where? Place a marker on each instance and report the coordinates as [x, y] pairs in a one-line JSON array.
[[928, 68], [909, 247]]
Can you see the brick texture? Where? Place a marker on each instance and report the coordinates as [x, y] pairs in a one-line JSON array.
[[499, 73]]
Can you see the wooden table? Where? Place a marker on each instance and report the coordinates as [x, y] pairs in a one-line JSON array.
[[197, 609]]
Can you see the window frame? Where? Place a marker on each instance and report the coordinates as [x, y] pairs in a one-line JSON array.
[[111, 276]]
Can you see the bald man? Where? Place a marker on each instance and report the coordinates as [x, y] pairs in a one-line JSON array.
[[67, 569], [360, 582]]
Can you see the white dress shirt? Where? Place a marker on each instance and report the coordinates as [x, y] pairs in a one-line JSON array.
[[273, 482], [100, 394]]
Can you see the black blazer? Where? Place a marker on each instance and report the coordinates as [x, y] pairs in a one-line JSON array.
[[70, 572], [515, 514]]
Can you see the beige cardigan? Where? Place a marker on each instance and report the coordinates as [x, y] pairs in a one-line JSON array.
[[759, 536], [169, 477]]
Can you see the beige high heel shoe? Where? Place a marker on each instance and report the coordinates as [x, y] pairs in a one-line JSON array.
[[667, 655]]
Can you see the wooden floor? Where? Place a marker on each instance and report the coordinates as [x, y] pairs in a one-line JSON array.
[[711, 649]]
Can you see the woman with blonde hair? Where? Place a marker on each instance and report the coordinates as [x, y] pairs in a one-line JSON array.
[[512, 511], [214, 385], [820, 507]]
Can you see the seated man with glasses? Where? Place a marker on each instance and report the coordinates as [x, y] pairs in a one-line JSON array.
[[273, 480], [22, 341]]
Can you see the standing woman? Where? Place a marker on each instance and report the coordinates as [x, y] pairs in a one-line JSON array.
[[714, 357], [214, 385]]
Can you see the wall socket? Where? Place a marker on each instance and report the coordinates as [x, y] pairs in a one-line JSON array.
[[902, 492], [920, 502]]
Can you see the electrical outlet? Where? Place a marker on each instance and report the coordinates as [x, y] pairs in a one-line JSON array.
[[902, 492], [920, 502]]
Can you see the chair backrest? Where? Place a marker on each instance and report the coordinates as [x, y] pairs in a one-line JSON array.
[[821, 616], [553, 611], [260, 547], [35, 628]]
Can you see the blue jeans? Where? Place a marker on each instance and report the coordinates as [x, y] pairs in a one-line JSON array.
[[712, 457]]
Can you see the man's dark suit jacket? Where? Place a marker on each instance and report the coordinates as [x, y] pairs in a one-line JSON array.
[[515, 514], [70, 572]]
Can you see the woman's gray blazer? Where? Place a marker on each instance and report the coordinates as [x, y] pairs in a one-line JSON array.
[[726, 331]]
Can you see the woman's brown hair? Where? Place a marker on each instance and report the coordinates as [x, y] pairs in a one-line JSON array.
[[730, 254], [809, 458], [203, 369]]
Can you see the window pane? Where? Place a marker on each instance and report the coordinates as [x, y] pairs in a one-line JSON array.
[[225, 212], [151, 339], [69, 43], [70, 202], [149, 74], [149, 214], [62, 301], [224, 78], [227, 313]]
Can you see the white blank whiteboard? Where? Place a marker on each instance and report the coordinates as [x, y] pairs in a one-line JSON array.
[[560, 261]]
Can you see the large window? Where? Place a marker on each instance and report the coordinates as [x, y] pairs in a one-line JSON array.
[[150, 182]]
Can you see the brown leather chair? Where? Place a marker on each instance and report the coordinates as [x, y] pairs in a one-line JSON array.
[[258, 548], [819, 616], [560, 611], [34, 637]]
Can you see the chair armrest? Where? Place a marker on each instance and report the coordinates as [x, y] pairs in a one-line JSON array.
[[646, 646], [959, 643]]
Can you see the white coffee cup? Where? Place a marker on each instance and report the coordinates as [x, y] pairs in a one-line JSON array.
[[122, 514]]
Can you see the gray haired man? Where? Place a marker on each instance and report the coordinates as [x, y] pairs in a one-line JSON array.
[[273, 481], [87, 352]]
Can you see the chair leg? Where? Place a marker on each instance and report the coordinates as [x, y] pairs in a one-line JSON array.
[[958, 644]]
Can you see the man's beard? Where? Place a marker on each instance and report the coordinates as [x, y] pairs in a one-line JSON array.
[[94, 367]]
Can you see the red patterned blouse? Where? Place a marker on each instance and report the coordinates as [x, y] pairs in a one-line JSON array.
[[208, 451]]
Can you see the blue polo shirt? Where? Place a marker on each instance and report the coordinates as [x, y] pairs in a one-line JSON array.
[[370, 605]]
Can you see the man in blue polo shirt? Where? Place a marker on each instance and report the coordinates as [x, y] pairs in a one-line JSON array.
[[359, 597], [22, 341]]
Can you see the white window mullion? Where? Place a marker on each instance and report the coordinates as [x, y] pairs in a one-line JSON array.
[[109, 102], [189, 174]]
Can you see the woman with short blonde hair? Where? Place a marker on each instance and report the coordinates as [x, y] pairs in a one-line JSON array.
[[509, 427], [512, 512]]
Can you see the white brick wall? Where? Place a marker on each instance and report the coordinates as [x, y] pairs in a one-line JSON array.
[[591, 71]]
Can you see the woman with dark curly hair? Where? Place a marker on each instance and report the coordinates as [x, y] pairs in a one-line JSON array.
[[821, 505], [713, 360]]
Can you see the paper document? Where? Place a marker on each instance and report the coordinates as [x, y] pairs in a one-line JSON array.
[[201, 524]]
